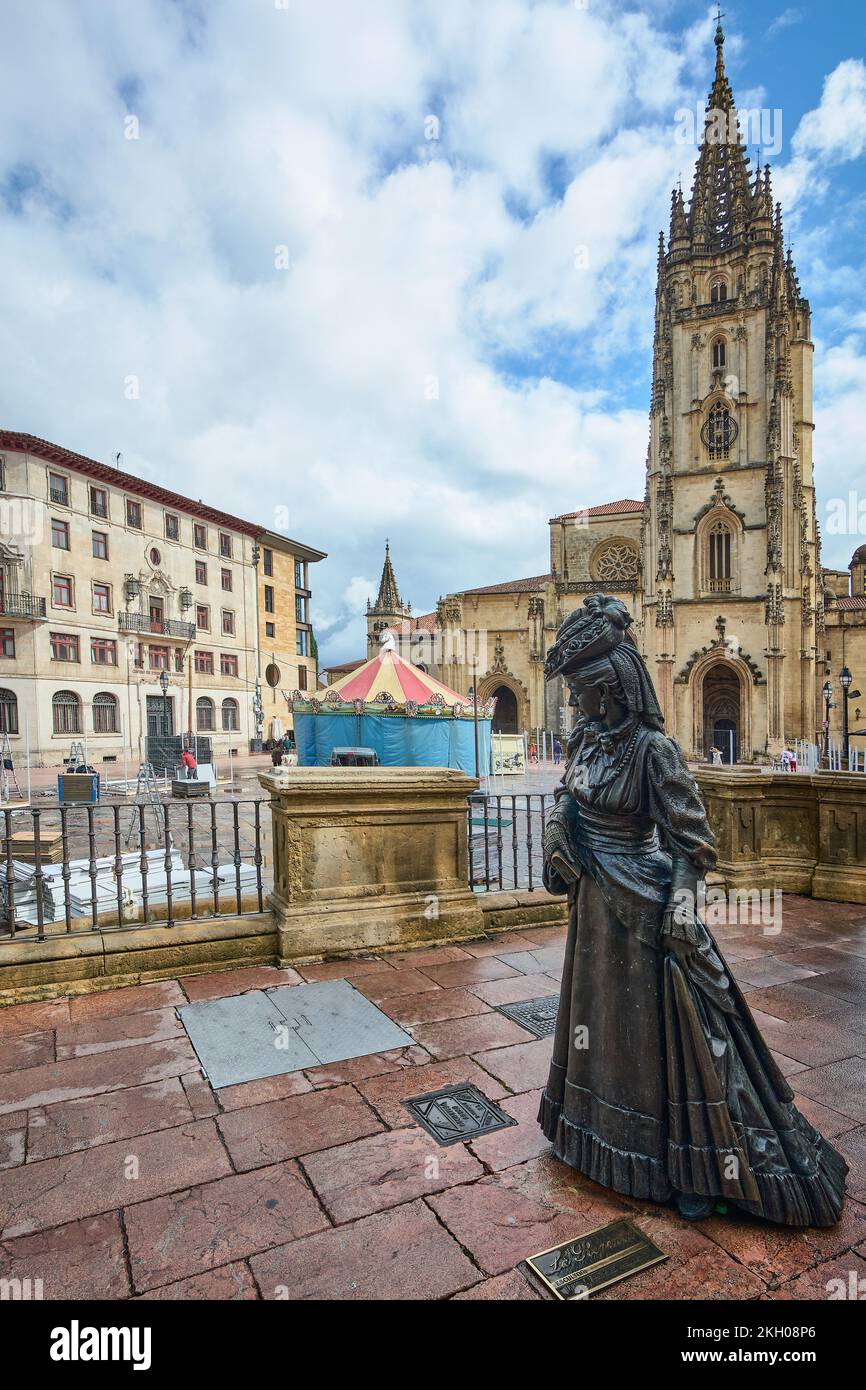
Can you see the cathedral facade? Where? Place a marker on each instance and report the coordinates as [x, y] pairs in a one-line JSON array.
[[720, 561]]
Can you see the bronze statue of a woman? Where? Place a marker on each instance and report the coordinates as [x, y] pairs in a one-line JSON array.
[[661, 1085]]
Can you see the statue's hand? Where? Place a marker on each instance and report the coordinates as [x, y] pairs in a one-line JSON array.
[[679, 937]]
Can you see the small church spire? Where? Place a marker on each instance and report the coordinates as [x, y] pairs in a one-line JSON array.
[[389, 600]]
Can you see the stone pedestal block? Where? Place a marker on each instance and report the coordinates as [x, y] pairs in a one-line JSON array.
[[370, 858]]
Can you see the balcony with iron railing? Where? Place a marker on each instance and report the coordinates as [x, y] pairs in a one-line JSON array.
[[27, 606], [164, 627]]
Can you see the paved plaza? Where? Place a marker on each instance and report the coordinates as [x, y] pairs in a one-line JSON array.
[[126, 1174]]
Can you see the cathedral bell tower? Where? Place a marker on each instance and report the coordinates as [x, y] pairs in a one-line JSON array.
[[389, 609], [730, 541]]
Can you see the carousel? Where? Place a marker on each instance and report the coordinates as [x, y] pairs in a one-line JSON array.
[[397, 709]]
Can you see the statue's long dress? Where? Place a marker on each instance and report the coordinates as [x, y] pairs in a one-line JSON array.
[[660, 1080]]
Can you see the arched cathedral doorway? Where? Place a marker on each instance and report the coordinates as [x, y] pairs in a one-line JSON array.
[[722, 721], [505, 713]]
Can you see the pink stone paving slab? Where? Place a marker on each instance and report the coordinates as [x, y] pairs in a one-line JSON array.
[[500, 943], [433, 955], [202, 1101], [840, 1085], [469, 972], [398, 1254], [385, 1093], [791, 1002], [39, 1195], [776, 1254], [695, 1267], [538, 962], [787, 1066], [461, 1035], [384, 1171], [26, 1050], [247, 1093], [93, 1120], [33, 1018], [100, 1071], [361, 1068], [517, 1144], [828, 1122], [837, 1280], [852, 1146], [354, 969], [377, 988], [13, 1138], [162, 994], [523, 1067], [283, 1129], [514, 991], [513, 1287], [229, 1283], [434, 1006], [763, 973], [215, 1223], [220, 983], [118, 1030], [814, 1041], [81, 1260]]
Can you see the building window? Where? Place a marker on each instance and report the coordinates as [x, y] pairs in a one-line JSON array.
[[718, 292], [268, 560], [178, 658], [302, 645], [104, 713], [228, 623], [7, 642], [204, 712], [300, 574], [133, 514], [719, 432], [720, 558], [231, 722], [270, 629], [8, 712], [200, 572], [158, 658], [58, 489], [64, 646], [99, 502], [60, 534], [172, 527], [204, 663], [202, 617], [302, 677], [102, 598], [61, 591], [720, 353], [228, 664], [301, 615], [269, 598], [100, 545], [103, 651], [226, 580], [225, 545], [199, 536], [66, 712]]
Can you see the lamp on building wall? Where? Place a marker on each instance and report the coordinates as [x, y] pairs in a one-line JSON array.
[[828, 705], [845, 679], [163, 685]]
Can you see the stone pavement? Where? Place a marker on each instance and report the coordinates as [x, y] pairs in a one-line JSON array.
[[123, 1174]]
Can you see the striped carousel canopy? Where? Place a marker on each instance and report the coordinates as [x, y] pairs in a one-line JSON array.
[[387, 684]]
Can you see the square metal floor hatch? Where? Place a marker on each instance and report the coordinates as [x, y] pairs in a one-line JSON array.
[[537, 1016], [456, 1113], [266, 1033]]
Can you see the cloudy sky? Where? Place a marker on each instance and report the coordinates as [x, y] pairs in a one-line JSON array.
[[358, 268]]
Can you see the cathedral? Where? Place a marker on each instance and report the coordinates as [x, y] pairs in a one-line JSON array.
[[720, 561]]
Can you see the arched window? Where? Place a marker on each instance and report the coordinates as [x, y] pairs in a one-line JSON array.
[[8, 712], [720, 353], [104, 713], [718, 292], [204, 715], [66, 712], [719, 560], [719, 431], [231, 722]]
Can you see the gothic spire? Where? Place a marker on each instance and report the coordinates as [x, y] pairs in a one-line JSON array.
[[389, 600], [721, 202]]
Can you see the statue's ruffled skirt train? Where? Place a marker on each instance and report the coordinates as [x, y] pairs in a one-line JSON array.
[[661, 1083]]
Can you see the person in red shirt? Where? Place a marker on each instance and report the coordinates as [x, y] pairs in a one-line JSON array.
[[188, 760]]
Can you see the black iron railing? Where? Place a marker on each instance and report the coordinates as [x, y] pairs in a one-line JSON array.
[[71, 868], [166, 627], [22, 606], [505, 839]]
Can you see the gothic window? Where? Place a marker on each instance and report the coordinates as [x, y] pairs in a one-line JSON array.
[[720, 353], [718, 292], [719, 559], [719, 431], [615, 562]]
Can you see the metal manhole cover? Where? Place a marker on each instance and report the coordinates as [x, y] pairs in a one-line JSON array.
[[537, 1016], [456, 1113]]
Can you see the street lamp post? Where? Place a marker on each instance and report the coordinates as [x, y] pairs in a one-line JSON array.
[[828, 698], [163, 685], [845, 679]]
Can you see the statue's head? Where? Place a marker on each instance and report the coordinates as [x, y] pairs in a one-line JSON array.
[[590, 632], [596, 656]]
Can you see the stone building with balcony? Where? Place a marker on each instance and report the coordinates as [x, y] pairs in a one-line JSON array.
[[288, 658], [109, 582]]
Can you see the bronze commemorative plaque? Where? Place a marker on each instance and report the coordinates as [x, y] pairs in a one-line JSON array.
[[591, 1262]]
